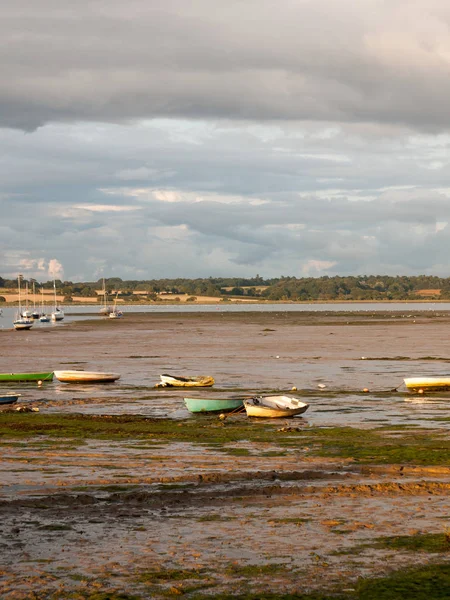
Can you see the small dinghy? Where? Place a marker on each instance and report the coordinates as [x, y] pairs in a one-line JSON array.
[[26, 377], [8, 398], [274, 406], [175, 381], [212, 405], [85, 377]]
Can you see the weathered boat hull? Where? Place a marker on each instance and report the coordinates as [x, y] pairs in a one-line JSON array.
[[86, 377], [212, 405], [173, 381], [274, 407], [26, 377], [8, 398], [427, 383]]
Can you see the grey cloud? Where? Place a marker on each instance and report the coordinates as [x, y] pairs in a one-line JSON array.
[[258, 60]]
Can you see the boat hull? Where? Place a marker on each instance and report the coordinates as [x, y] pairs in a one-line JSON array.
[[427, 383], [172, 381], [8, 398], [23, 325], [212, 405], [86, 377], [274, 407], [26, 377]]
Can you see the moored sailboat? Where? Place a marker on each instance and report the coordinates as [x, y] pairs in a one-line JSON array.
[[115, 313], [44, 318], [35, 314], [21, 322], [58, 313], [26, 314], [105, 309]]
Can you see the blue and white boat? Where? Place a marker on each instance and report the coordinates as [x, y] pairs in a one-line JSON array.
[[8, 398]]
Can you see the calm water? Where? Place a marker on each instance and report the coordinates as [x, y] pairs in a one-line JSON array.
[[76, 313]]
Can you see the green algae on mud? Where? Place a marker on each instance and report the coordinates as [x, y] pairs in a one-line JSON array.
[[394, 445], [431, 582]]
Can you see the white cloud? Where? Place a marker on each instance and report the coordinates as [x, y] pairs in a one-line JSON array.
[[55, 269], [101, 208]]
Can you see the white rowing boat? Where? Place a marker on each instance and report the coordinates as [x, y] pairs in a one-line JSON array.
[[85, 377], [274, 406]]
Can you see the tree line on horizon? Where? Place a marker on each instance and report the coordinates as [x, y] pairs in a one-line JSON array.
[[360, 287]]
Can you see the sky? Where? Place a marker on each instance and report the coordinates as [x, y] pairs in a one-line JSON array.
[[148, 139]]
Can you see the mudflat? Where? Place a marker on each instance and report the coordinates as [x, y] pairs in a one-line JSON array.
[[116, 491]]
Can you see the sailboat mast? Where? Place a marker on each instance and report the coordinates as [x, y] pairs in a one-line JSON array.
[[20, 304]]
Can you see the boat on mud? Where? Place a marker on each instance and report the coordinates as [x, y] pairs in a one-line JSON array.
[[21, 377], [176, 381], [428, 384], [274, 406], [86, 377], [212, 405], [8, 398]]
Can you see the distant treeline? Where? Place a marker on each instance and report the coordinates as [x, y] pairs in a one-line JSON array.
[[363, 287]]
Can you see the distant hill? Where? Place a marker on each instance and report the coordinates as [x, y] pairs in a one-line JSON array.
[[306, 289]]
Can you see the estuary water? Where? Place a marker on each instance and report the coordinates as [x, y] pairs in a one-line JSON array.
[[83, 312], [349, 366]]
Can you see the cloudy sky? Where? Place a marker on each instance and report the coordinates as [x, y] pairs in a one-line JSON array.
[[148, 139]]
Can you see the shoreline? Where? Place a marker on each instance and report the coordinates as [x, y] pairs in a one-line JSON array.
[[233, 301]]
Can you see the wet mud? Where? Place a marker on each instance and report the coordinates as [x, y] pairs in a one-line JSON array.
[[153, 519]]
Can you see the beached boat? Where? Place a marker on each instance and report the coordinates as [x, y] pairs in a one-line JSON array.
[[86, 377], [8, 398], [211, 405], [428, 384], [48, 376], [274, 406], [175, 381]]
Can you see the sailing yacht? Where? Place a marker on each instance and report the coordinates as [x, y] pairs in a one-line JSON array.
[[44, 318], [115, 313], [21, 322], [26, 313], [105, 310], [35, 314], [58, 313]]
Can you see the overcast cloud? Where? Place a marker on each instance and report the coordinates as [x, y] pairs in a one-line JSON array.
[[299, 137]]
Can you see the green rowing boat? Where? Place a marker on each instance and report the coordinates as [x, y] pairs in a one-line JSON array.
[[26, 376], [211, 405]]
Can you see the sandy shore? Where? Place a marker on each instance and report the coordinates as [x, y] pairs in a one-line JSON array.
[[151, 517]]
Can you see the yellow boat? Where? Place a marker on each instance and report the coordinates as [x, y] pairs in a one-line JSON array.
[[175, 381], [428, 384]]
